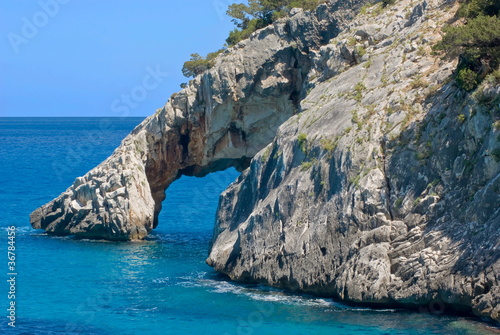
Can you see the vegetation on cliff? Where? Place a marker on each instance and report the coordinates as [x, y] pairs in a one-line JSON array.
[[199, 64], [261, 13], [477, 41], [247, 18]]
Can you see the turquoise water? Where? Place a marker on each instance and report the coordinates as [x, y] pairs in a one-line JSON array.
[[158, 286]]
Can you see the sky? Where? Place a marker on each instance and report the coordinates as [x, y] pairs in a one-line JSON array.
[[101, 57]]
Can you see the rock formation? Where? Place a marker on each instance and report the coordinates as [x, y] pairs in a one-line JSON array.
[[385, 188], [369, 176], [222, 119]]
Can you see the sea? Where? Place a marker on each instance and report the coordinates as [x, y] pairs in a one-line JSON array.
[[63, 285]]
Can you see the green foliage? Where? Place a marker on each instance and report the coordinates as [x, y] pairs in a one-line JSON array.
[[265, 155], [355, 118], [398, 203], [480, 32], [364, 9], [478, 41], [418, 83], [467, 79], [351, 41], [475, 8], [358, 89], [258, 14], [328, 144], [495, 153], [305, 166], [494, 77], [355, 180], [198, 64], [368, 64], [302, 139], [361, 51]]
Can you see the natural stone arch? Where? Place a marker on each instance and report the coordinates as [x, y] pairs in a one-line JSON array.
[[222, 119]]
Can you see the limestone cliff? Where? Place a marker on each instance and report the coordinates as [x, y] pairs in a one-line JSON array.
[[222, 119], [368, 175], [385, 188]]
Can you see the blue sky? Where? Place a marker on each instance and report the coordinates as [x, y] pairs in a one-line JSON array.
[[101, 57]]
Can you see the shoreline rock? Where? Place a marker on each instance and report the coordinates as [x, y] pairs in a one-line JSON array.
[[382, 190], [367, 175], [222, 119]]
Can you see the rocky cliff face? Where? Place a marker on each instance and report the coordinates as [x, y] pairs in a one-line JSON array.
[[222, 119], [385, 188], [374, 179]]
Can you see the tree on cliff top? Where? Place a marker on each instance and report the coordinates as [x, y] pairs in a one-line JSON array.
[[477, 41], [247, 19], [199, 64], [261, 13]]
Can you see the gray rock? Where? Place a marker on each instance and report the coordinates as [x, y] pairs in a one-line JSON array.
[[389, 200], [417, 13], [379, 186], [222, 119]]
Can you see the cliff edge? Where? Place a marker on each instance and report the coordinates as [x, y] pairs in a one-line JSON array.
[[385, 188], [222, 119], [368, 174]]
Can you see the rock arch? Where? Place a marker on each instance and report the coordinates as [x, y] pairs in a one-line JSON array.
[[222, 119]]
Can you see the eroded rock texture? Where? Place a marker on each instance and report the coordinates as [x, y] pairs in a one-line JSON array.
[[381, 184], [222, 119], [385, 189]]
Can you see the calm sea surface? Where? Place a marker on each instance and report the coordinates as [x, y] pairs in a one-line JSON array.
[[158, 286]]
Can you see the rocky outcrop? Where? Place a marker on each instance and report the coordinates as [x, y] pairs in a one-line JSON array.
[[385, 188], [222, 119], [374, 179]]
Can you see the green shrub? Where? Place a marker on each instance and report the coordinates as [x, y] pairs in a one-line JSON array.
[[475, 8], [258, 14], [198, 64], [358, 89], [355, 180], [265, 155], [398, 203], [495, 153], [478, 41], [302, 139], [361, 51], [467, 79], [328, 144], [305, 166]]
